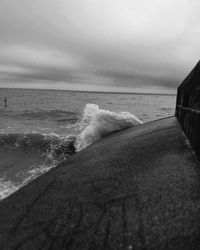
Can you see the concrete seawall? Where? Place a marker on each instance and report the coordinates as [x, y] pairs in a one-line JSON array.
[[188, 107], [134, 189]]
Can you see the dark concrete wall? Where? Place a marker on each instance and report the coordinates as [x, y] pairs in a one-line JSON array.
[[188, 107]]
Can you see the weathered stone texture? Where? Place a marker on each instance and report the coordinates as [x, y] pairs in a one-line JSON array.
[[135, 189], [188, 107]]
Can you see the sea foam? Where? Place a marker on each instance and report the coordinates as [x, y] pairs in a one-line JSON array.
[[96, 123], [25, 156]]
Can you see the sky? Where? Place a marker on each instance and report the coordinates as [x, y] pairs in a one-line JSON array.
[[98, 45]]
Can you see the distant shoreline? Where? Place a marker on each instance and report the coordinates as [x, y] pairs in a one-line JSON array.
[[95, 92]]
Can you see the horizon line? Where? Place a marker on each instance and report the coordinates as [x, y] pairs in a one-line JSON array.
[[92, 91]]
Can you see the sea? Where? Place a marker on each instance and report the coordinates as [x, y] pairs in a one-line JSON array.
[[41, 128]]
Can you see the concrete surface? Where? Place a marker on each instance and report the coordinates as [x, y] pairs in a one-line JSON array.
[[134, 189]]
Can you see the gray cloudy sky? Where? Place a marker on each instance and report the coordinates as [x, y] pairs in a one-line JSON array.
[[98, 45]]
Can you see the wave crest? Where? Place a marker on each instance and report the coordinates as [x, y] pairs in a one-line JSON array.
[[96, 123], [26, 156]]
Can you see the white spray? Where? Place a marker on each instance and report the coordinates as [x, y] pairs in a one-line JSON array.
[[97, 123]]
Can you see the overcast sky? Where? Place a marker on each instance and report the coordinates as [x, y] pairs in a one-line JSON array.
[[98, 45]]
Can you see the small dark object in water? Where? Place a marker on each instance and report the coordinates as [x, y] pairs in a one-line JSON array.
[[5, 102]]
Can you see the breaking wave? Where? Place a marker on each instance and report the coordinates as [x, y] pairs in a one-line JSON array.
[[26, 156], [97, 123]]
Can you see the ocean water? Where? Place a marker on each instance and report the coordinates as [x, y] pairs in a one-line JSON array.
[[41, 128]]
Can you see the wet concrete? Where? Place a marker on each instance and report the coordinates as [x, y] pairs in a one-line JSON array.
[[134, 189]]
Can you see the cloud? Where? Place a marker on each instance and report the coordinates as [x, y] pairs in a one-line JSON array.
[[102, 45]]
